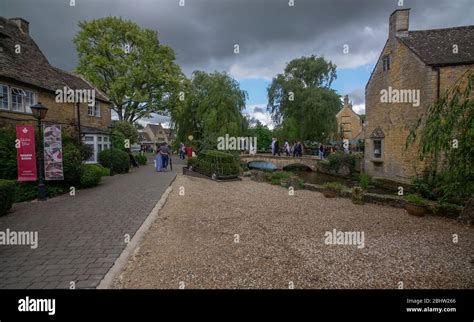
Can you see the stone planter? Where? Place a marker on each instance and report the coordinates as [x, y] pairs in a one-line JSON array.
[[329, 193], [415, 210]]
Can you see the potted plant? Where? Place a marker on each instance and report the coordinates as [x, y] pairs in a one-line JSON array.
[[415, 205], [357, 195], [332, 188]]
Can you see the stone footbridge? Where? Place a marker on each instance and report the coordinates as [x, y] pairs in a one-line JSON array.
[[282, 162]]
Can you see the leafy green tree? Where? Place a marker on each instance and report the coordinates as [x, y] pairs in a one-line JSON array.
[[129, 65], [212, 107], [263, 135], [127, 130], [302, 104], [445, 137]]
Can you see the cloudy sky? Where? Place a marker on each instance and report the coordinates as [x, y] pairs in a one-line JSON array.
[[269, 33]]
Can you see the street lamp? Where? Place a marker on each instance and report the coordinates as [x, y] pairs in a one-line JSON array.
[[39, 112], [111, 128]]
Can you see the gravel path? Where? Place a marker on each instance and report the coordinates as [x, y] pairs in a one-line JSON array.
[[282, 243]]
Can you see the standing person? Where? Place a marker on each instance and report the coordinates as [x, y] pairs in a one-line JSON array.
[[183, 151], [277, 147], [189, 151], [158, 160], [321, 151], [165, 152], [273, 146], [299, 149], [287, 148], [180, 152]]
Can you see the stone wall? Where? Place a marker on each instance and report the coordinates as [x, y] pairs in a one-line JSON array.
[[350, 121]]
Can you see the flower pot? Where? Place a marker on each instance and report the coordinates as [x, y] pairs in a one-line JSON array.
[[329, 193], [415, 210]]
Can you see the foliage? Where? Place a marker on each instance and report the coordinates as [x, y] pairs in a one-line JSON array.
[[120, 160], [28, 190], [8, 168], [337, 161], [446, 140], [7, 195], [278, 176], [192, 162], [364, 181], [212, 108], [90, 176], [141, 159], [129, 65], [222, 164], [335, 186], [263, 135], [301, 102], [415, 200], [357, 195], [127, 130]]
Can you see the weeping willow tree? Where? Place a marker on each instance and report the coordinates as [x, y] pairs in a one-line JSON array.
[[212, 107], [445, 135]]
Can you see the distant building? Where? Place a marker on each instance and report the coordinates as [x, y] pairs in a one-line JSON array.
[[154, 134], [26, 78], [414, 69], [349, 123]]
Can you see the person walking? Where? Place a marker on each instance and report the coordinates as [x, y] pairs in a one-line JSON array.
[[158, 160], [165, 152], [321, 151], [277, 147], [273, 146], [287, 148]]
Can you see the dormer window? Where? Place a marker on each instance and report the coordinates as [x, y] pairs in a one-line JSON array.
[[386, 63]]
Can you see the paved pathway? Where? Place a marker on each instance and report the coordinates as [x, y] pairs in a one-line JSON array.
[[80, 237]]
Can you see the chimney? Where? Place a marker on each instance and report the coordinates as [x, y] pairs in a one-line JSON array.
[[398, 23], [22, 24], [346, 100]]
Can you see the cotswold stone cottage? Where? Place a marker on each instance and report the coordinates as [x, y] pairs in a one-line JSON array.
[[26, 78], [414, 69], [349, 123]]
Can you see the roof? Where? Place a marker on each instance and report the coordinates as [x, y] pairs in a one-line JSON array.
[[144, 137], [155, 128], [435, 46], [31, 66]]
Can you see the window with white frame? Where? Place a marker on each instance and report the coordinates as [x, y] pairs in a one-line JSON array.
[[97, 143], [4, 97], [94, 110], [16, 99]]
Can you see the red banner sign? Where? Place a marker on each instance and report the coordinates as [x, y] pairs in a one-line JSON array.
[[25, 152]]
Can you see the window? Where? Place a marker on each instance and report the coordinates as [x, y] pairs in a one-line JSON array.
[[94, 110], [4, 97], [16, 99], [95, 142], [386, 63], [377, 149]]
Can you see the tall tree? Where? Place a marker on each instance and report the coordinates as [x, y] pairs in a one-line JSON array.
[[212, 107], [129, 65], [302, 104], [263, 135]]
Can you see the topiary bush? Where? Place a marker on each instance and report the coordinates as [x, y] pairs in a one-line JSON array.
[[222, 164], [7, 195], [120, 160], [91, 175]]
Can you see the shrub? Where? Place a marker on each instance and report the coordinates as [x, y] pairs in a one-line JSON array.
[[7, 195], [192, 162], [8, 169], [335, 186], [141, 159], [415, 200], [120, 160], [216, 162], [338, 161], [364, 181], [104, 171], [357, 195], [72, 164], [90, 176]]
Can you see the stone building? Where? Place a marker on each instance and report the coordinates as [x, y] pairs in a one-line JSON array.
[[26, 78], [414, 69], [349, 123], [154, 134]]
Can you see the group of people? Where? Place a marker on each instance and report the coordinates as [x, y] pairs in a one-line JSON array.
[[184, 151], [296, 149], [163, 157]]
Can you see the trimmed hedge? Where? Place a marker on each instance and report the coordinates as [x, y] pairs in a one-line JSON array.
[[7, 195], [91, 176], [216, 162], [141, 159], [120, 160]]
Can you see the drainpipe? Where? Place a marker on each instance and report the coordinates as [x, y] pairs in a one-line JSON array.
[[439, 83]]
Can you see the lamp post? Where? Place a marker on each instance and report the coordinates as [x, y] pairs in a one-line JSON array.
[[111, 128], [39, 112]]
